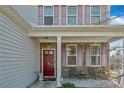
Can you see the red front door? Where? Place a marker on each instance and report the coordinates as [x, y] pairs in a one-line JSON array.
[[48, 63]]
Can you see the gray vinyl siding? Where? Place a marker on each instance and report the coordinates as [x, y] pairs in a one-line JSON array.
[[0, 54], [19, 55], [29, 12]]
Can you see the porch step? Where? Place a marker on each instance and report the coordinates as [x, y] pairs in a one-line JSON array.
[[49, 79]]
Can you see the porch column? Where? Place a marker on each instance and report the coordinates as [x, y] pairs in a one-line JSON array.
[[58, 61]]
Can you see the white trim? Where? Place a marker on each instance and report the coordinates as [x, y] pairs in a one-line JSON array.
[[95, 55], [101, 13], [71, 55], [66, 15], [72, 15], [76, 15], [64, 41], [95, 15], [59, 77], [54, 62], [48, 15]]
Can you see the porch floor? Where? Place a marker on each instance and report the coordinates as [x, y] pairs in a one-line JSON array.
[[43, 84], [92, 83], [81, 83]]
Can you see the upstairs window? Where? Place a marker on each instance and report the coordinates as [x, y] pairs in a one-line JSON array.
[[95, 14], [48, 15], [71, 15]]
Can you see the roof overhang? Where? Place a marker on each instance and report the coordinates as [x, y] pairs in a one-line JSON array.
[[116, 31]]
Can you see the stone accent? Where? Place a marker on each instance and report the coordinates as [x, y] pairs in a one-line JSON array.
[[85, 72], [56, 15]]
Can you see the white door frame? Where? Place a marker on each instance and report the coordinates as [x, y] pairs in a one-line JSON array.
[[54, 62]]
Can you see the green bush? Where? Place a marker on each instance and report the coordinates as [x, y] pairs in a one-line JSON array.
[[68, 85]]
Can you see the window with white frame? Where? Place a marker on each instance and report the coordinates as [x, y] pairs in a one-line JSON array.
[[95, 55], [71, 15], [48, 15], [71, 55], [95, 14]]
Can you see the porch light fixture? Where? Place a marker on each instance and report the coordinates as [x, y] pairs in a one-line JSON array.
[[45, 37]]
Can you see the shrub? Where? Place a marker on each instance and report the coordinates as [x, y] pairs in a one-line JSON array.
[[68, 85]]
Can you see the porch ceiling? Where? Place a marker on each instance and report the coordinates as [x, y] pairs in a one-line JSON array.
[[79, 39]]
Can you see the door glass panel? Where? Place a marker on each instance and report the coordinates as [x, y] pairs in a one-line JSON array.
[[50, 52], [46, 52]]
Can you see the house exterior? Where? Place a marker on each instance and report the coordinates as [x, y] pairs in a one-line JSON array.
[[59, 41], [78, 53]]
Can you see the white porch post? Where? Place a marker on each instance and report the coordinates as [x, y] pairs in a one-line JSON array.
[[58, 61]]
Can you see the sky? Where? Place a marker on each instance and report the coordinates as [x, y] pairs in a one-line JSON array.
[[116, 10]]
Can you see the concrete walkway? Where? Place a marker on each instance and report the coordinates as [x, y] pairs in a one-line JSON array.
[[83, 83], [43, 84]]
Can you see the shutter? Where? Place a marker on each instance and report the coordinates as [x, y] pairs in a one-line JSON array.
[[87, 15], [80, 15], [40, 15], [87, 55], [63, 54], [56, 15], [104, 13], [79, 55], [104, 54], [63, 20]]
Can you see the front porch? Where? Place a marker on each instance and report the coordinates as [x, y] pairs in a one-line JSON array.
[[79, 83], [83, 38], [76, 59]]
